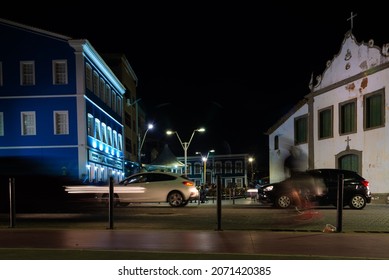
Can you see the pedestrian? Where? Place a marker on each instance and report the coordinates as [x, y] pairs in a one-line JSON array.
[[203, 194]]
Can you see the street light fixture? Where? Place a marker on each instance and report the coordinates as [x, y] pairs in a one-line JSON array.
[[185, 145], [150, 126], [205, 159]]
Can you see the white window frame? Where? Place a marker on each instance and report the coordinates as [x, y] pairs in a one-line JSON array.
[[238, 166], [88, 77], [61, 122], [60, 72], [28, 123], [27, 73]]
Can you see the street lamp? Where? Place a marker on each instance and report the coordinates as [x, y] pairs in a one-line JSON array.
[[205, 159], [185, 145], [251, 160], [150, 126]]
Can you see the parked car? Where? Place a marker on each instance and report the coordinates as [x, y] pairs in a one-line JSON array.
[[176, 189], [318, 186]]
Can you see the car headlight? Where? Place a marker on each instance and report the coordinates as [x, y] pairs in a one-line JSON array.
[[268, 188]]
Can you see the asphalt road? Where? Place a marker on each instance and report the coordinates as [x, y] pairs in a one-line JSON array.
[[239, 214]]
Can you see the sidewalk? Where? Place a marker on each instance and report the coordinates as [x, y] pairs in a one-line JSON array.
[[281, 244]]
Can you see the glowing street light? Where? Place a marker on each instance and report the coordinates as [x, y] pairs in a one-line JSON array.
[[185, 145], [205, 159], [150, 126]]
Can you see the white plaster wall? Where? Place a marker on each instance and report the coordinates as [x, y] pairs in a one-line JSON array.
[[285, 133]]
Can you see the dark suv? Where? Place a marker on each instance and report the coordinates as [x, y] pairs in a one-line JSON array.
[[319, 186]]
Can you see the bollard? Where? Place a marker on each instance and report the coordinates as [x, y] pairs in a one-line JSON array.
[[12, 202], [219, 203], [339, 221], [111, 203]]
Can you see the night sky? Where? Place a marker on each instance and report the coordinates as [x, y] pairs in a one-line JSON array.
[[234, 69]]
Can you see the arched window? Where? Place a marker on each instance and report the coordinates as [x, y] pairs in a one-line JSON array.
[[350, 160]]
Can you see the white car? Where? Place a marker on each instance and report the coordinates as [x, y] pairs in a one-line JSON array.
[[176, 189]]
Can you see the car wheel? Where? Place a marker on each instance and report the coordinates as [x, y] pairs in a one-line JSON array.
[[185, 202], [105, 200], [175, 199], [357, 202], [283, 201]]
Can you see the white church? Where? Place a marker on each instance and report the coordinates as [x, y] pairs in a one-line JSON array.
[[343, 121]]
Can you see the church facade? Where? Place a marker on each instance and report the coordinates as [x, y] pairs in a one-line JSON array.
[[342, 122]]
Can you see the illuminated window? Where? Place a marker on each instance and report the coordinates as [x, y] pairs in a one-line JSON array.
[[97, 129], [28, 123], [104, 132], [90, 125], [27, 73], [109, 135], [61, 122], [115, 139], [120, 142]]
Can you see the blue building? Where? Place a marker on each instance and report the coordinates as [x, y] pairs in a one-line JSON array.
[[61, 107], [231, 168]]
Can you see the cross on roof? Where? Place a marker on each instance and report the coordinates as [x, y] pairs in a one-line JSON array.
[[348, 141], [351, 19]]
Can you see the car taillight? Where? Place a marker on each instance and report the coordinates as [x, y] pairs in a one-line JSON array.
[[365, 183], [188, 183]]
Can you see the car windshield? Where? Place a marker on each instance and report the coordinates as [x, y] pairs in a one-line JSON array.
[[134, 179]]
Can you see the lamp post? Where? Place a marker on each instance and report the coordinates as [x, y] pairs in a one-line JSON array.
[[150, 126], [205, 159], [185, 145], [251, 160]]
